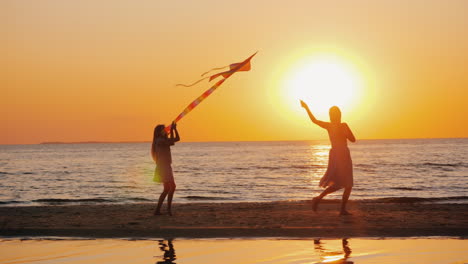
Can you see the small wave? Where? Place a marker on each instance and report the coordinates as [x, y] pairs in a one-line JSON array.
[[407, 189], [271, 168], [195, 197], [221, 192], [275, 168], [240, 168], [366, 167], [463, 199], [184, 189], [65, 201], [9, 202], [139, 199], [301, 187], [460, 164]]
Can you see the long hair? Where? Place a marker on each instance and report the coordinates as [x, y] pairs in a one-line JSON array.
[[158, 132]]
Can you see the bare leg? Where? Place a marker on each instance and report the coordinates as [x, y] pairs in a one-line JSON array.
[[161, 199], [160, 202], [169, 198], [344, 200], [317, 199], [169, 203]]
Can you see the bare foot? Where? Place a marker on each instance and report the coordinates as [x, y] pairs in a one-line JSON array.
[[344, 212], [315, 202], [157, 213], [169, 212]]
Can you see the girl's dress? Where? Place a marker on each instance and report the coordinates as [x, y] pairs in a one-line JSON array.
[[163, 172], [340, 166]]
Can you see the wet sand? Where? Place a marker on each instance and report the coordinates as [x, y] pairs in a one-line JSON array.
[[116, 251], [209, 220]]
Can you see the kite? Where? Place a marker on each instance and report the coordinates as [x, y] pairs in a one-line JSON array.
[[233, 68]]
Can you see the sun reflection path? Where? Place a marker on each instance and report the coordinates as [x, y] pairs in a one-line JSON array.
[[318, 158]]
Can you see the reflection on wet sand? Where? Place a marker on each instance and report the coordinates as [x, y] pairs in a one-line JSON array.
[[325, 255], [335, 257], [169, 255]]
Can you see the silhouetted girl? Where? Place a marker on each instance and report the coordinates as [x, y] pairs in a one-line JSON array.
[[339, 173], [161, 153]]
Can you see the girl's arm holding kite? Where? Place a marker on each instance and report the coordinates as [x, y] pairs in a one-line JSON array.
[[173, 136], [163, 140], [174, 129]]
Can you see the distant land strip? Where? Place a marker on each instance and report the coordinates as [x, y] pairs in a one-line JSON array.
[[90, 142]]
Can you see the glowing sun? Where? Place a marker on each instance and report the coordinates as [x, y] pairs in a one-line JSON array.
[[323, 81]]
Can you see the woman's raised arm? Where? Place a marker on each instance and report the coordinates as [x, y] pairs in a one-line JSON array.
[[312, 117]]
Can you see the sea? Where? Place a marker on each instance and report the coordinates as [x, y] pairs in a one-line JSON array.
[[397, 170]]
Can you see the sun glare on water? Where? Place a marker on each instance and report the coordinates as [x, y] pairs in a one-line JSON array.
[[323, 81]]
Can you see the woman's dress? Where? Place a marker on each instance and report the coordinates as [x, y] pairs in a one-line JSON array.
[[340, 166]]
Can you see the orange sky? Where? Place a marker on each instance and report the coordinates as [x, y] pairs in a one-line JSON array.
[[105, 70]]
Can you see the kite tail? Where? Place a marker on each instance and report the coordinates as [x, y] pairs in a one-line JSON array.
[[196, 102], [235, 67], [189, 85], [214, 69]]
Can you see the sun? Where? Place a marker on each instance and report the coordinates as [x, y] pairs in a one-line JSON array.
[[323, 81]]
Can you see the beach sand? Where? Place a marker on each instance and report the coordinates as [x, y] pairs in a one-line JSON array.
[[255, 219]]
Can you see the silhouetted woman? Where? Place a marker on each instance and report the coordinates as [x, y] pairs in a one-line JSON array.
[[161, 153], [339, 173]]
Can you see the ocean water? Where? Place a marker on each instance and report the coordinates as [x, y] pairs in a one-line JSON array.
[[435, 170]]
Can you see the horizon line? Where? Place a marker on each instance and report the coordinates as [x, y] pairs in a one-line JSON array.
[[220, 141]]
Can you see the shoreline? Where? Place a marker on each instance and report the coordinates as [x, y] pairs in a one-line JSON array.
[[283, 219], [198, 199]]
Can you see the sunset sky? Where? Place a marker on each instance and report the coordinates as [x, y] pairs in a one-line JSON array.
[[106, 70]]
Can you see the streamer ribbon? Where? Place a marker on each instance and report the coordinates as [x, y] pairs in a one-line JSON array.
[[233, 68]]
